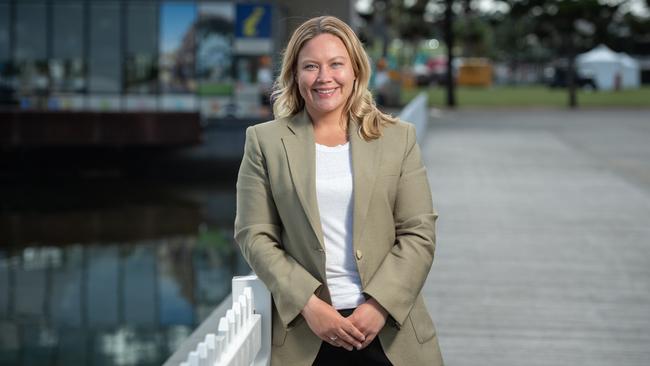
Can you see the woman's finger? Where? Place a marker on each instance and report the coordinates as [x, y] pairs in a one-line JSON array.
[[354, 332], [349, 341], [332, 341], [369, 339]]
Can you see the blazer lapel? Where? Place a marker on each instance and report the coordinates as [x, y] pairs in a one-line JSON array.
[[301, 155], [366, 156]]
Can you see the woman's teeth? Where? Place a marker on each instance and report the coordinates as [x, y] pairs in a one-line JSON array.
[[325, 91]]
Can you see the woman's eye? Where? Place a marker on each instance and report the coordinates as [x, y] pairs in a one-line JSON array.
[[310, 67], [337, 64]]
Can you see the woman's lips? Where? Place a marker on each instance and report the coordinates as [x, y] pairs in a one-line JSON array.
[[325, 92]]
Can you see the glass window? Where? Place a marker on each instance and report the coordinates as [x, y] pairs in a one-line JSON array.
[[30, 55], [177, 47], [66, 64], [30, 30], [214, 40], [105, 56], [142, 48], [4, 32], [6, 87]]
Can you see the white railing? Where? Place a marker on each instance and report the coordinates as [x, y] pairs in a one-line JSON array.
[[243, 336], [417, 113]]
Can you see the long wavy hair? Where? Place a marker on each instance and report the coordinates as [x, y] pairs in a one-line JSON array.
[[360, 107]]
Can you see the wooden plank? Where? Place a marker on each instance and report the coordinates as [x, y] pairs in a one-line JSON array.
[[543, 253]]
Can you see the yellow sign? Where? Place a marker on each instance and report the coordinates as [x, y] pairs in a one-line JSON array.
[[250, 24], [253, 21]]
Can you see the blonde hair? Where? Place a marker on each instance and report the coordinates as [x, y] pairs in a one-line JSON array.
[[360, 107]]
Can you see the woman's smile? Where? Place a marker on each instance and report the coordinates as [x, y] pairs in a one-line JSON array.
[[325, 75], [325, 92]]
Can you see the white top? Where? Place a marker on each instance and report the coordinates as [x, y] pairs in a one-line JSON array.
[[334, 188]]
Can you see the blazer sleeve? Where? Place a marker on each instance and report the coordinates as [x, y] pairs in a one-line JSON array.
[[401, 275], [258, 232]]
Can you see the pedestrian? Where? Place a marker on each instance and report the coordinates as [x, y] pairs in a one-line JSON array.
[[334, 212], [382, 83]]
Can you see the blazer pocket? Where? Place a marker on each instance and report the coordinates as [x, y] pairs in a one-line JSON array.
[[278, 334], [389, 175], [422, 323], [278, 331]]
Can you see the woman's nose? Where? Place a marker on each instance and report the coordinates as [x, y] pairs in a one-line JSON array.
[[323, 75]]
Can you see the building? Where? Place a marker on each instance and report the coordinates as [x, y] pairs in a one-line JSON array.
[[139, 72]]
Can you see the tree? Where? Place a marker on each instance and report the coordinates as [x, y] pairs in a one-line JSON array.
[[474, 32], [449, 40], [567, 26], [389, 19], [632, 35]]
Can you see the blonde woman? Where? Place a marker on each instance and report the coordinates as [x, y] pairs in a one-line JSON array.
[[334, 212]]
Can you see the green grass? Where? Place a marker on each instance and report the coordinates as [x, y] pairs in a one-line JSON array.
[[217, 89], [532, 96]]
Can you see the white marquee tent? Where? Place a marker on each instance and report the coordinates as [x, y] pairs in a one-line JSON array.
[[631, 71], [609, 68]]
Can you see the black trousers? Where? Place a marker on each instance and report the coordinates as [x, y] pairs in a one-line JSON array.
[[373, 355]]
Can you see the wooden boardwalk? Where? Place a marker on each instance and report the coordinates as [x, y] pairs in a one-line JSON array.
[[543, 253]]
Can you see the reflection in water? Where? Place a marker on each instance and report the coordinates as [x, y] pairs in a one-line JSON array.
[[119, 279]]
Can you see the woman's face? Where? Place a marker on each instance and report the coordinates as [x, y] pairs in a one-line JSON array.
[[325, 76]]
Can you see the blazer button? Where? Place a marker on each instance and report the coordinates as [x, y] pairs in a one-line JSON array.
[[320, 249], [359, 254]]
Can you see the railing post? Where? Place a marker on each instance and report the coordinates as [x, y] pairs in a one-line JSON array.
[[193, 359], [243, 335], [262, 305], [202, 350], [211, 345]]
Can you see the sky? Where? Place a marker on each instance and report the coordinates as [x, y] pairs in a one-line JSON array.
[[176, 20]]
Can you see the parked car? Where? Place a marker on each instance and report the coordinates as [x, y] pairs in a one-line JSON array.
[[558, 78]]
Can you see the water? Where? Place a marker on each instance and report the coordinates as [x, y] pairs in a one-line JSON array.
[[111, 272]]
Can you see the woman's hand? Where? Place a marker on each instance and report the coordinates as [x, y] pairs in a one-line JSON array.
[[369, 318], [330, 326]]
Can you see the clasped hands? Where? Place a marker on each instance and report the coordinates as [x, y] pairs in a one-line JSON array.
[[355, 331]]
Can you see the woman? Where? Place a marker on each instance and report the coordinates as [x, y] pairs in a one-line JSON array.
[[334, 213]]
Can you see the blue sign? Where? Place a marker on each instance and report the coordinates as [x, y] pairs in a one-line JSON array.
[[253, 21]]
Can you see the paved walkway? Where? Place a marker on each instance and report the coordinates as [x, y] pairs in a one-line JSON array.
[[543, 251]]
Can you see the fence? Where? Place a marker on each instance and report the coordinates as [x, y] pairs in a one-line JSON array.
[[239, 338], [417, 113], [243, 335]]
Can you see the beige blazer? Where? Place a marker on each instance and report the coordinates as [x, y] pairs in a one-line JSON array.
[[278, 230]]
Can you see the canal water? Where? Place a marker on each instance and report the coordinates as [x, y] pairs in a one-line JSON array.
[[111, 272]]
